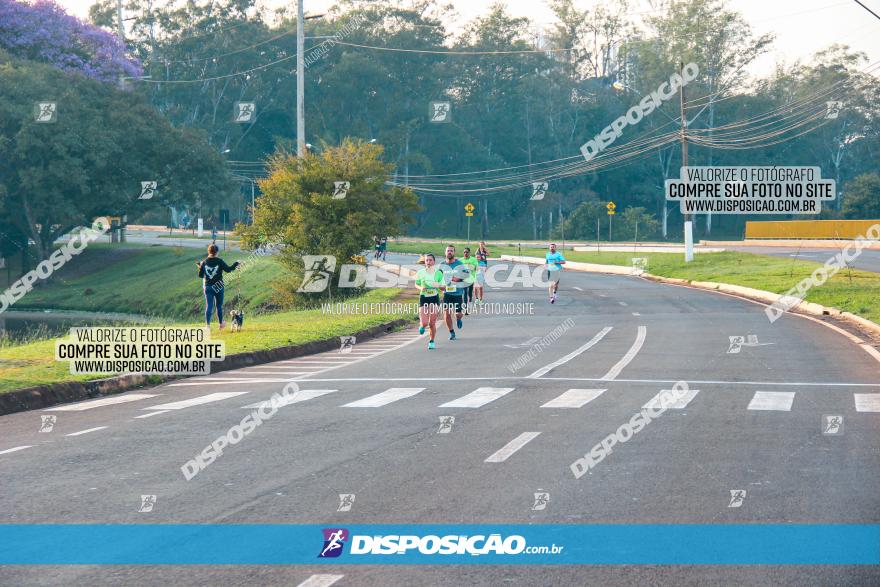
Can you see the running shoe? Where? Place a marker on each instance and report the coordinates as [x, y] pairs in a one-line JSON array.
[[451, 335], [553, 299], [430, 345], [458, 323], [421, 330]]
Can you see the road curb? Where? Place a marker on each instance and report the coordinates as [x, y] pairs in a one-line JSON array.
[[43, 396], [758, 295]]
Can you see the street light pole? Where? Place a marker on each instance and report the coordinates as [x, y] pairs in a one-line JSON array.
[[300, 80], [688, 225]]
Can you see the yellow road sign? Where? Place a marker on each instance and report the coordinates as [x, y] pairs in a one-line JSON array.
[[610, 208], [469, 208], [468, 213]]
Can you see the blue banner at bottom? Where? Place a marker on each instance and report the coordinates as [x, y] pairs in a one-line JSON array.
[[613, 544]]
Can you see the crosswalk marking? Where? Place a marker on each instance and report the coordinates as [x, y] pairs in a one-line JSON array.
[[681, 403], [574, 398], [386, 397], [15, 449], [107, 401], [81, 432], [547, 368], [867, 402], [320, 580], [629, 356], [478, 398], [197, 401], [511, 447], [297, 397], [772, 400]]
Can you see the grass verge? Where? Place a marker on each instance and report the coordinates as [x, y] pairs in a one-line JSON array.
[[34, 363]]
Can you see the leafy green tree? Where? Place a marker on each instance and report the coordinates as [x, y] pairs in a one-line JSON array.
[[863, 197], [298, 210], [636, 223], [91, 161]]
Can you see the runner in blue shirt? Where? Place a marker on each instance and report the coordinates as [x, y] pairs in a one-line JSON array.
[[454, 274], [555, 261]]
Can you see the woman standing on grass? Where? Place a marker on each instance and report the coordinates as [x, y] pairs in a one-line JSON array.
[[211, 271], [429, 280]]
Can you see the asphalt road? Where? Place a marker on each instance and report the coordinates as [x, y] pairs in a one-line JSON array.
[[868, 260], [372, 431]]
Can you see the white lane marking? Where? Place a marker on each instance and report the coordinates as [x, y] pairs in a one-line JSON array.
[[386, 397], [288, 367], [629, 356], [107, 401], [86, 431], [320, 581], [577, 288], [547, 368], [680, 404], [151, 414], [511, 447], [574, 398], [359, 359], [197, 401], [623, 303], [636, 314], [779, 401], [315, 361], [297, 397], [603, 295], [15, 449], [228, 381], [478, 397], [250, 373], [867, 402]]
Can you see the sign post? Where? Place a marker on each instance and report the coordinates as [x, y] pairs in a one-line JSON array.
[[469, 212], [611, 207]]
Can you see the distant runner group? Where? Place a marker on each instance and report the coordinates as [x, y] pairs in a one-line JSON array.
[[462, 282]]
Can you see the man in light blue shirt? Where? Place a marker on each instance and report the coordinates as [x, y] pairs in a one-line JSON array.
[[555, 261]]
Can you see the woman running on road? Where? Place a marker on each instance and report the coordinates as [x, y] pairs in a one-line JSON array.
[[211, 271], [482, 256], [429, 280]]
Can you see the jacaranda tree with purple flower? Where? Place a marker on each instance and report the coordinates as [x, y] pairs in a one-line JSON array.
[[42, 31]]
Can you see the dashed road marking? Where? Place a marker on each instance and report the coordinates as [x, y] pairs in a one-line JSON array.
[[320, 581], [151, 414], [15, 449], [623, 303], [867, 402], [574, 398], [297, 397], [197, 401], [86, 431], [386, 397], [636, 314], [478, 398], [680, 404], [577, 288], [547, 368], [779, 401], [629, 356], [107, 401], [511, 447]]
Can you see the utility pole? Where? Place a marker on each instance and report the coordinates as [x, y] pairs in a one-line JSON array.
[[120, 33], [300, 80], [688, 224]]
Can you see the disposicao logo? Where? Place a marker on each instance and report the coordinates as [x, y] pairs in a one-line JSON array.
[[334, 541]]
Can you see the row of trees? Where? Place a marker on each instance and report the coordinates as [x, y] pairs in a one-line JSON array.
[[508, 109]]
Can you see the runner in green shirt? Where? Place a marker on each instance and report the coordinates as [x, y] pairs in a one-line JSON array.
[[471, 264], [429, 281]]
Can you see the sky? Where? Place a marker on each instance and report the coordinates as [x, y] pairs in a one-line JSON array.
[[801, 27]]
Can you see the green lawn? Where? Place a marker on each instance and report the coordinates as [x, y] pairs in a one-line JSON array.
[[850, 290], [152, 280], [33, 364]]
